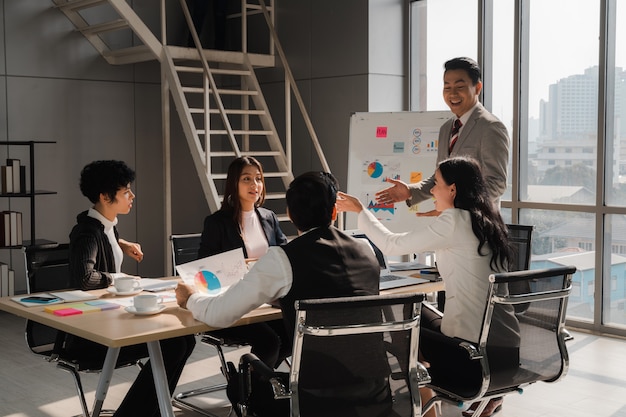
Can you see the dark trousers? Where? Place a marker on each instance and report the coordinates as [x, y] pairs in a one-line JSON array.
[[267, 340], [451, 366]]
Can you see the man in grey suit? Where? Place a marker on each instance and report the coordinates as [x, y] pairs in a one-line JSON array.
[[480, 135]]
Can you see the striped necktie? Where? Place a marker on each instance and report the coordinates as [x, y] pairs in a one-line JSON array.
[[454, 135]]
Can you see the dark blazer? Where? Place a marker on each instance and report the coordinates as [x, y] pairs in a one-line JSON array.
[[484, 138], [221, 233]]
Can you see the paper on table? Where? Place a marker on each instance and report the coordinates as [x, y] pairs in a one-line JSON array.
[[228, 267], [63, 296], [74, 295]]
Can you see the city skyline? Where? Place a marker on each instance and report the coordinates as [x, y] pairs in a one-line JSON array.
[[562, 43]]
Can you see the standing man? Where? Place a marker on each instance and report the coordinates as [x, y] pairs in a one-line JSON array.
[[472, 132]]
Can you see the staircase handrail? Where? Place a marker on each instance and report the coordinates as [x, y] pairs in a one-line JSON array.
[[212, 85]]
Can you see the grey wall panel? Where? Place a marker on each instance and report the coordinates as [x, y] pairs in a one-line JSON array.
[[339, 38], [89, 120], [333, 101], [149, 186], [189, 207], [41, 41], [2, 51], [3, 108], [293, 23]]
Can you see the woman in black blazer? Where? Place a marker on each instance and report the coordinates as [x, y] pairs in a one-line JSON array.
[[241, 222]]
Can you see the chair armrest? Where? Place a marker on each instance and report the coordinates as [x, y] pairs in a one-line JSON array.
[[250, 362], [433, 309]]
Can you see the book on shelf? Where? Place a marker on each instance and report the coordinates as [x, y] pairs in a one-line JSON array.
[[7, 179], [11, 283], [5, 228], [11, 228], [19, 238], [15, 172], [4, 279], [16, 228], [23, 179]]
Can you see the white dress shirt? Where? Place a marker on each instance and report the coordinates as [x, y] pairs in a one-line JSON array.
[[269, 279], [463, 270]]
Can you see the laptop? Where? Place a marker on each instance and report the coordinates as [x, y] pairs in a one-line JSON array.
[[387, 279]]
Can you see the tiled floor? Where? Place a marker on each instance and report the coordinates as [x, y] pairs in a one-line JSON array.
[[595, 385]]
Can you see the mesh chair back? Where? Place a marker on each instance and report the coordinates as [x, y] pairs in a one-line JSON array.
[[47, 267], [542, 352], [184, 249], [520, 236], [357, 354]]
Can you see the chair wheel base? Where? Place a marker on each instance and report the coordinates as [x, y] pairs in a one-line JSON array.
[[103, 413]]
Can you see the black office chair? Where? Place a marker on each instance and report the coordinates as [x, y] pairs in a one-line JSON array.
[[521, 237], [47, 269], [351, 356], [542, 354], [185, 249]]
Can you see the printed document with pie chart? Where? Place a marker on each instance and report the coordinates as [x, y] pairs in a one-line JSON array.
[[213, 274]]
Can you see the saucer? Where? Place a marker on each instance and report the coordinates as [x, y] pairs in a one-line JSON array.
[[131, 309], [134, 291]]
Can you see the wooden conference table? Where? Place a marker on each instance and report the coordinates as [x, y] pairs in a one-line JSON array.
[[118, 328]]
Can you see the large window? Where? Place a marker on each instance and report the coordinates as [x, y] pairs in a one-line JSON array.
[[434, 41], [555, 75]]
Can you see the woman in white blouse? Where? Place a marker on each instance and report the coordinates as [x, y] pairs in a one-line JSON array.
[[470, 241]]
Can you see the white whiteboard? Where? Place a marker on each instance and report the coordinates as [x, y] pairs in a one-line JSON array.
[[400, 145]]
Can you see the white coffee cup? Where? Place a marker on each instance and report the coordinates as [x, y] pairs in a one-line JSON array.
[[147, 302], [126, 284]]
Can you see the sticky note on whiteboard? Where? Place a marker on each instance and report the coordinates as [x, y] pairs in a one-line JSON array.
[[415, 177], [381, 131]]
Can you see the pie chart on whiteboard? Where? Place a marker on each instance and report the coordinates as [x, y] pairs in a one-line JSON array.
[[375, 169]]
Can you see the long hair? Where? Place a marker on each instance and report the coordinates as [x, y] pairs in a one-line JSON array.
[[231, 190], [471, 195]]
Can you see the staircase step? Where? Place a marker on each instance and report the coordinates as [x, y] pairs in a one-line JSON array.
[[105, 27], [221, 71], [268, 196], [220, 176], [237, 132], [131, 55], [80, 4], [275, 196], [197, 110], [231, 154], [200, 90]]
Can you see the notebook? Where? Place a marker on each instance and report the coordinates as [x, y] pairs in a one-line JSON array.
[[387, 279]]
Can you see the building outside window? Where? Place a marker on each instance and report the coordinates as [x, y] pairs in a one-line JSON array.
[[564, 103]]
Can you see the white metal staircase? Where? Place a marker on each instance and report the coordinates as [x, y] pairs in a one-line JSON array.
[[216, 93]]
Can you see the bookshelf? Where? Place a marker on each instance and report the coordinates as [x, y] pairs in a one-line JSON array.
[[31, 192]]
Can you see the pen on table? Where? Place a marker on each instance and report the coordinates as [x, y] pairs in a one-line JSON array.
[[426, 271]]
